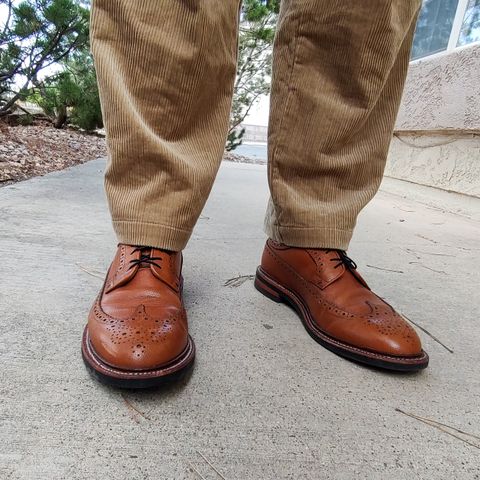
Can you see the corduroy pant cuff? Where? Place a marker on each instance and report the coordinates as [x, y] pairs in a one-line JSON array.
[[315, 237], [151, 235]]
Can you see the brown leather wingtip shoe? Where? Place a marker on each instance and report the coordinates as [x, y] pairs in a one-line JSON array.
[[137, 332], [337, 307]]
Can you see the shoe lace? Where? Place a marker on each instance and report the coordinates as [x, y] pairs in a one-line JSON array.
[[145, 258], [342, 259]]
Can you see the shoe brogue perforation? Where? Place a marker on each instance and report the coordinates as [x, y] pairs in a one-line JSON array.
[[138, 321], [128, 330], [390, 322], [339, 310], [329, 306]]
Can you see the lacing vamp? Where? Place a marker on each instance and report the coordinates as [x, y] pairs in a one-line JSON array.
[[145, 258], [342, 259]]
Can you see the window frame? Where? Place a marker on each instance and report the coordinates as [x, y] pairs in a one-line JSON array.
[[454, 33]]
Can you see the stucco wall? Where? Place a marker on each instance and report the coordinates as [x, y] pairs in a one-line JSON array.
[[437, 133], [443, 92], [448, 162]]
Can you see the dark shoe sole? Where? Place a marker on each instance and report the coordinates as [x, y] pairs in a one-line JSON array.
[[276, 292], [108, 375]]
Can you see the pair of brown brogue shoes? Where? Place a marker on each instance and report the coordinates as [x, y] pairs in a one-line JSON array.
[[137, 332]]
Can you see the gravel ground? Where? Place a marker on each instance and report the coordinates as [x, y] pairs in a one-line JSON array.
[[233, 157], [28, 151]]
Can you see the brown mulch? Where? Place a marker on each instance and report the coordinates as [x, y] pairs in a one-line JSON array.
[[28, 151], [233, 157]]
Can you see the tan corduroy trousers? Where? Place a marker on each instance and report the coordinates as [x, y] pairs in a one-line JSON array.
[[166, 70]]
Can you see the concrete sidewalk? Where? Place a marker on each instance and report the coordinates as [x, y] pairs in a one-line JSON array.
[[264, 401]]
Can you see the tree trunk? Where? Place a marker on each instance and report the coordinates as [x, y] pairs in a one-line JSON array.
[[61, 117]]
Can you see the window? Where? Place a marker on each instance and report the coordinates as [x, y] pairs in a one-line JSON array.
[[470, 31], [434, 26], [445, 24]]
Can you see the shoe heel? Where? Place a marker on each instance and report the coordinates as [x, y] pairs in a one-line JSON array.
[[265, 289]]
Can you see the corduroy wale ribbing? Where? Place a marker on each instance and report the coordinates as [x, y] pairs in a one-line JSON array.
[[166, 71]]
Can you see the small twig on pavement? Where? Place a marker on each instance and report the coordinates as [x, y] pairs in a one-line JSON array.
[[424, 330], [195, 470], [426, 238], [467, 249], [428, 268], [132, 407], [443, 427], [93, 273], [404, 210], [385, 269], [237, 281], [409, 250], [214, 469]]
